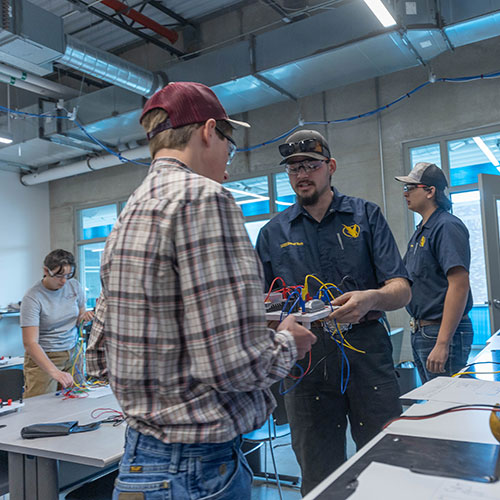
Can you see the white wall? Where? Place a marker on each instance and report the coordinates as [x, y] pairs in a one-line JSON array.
[[24, 242]]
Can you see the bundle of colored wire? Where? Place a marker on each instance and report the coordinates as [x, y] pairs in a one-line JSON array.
[[115, 417], [73, 393], [453, 409]]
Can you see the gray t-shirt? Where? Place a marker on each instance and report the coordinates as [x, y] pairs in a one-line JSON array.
[[55, 312]]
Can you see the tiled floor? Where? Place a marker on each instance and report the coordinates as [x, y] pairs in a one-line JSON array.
[[287, 465]]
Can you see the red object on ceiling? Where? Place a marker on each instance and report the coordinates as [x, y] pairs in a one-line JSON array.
[[125, 10]]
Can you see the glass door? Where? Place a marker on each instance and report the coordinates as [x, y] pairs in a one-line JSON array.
[[489, 186]]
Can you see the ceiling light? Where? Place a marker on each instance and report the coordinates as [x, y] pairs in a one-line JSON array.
[[6, 137], [380, 10], [486, 150]]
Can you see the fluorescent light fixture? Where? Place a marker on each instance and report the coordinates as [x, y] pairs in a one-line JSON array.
[[381, 12], [486, 150], [6, 138]]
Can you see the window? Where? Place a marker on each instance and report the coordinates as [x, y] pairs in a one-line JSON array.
[[429, 153], [474, 155], [260, 198], [285, 195], [251, 194], [93, 226]]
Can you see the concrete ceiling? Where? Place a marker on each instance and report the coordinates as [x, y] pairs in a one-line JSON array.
[[338, 42]]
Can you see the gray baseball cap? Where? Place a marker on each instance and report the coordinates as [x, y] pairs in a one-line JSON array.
[[307, 143], [425, 173]]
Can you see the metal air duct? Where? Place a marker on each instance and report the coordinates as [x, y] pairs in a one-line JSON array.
[[110, 68]]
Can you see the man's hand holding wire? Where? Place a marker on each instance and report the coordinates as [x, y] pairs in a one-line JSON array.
[[353, 306], [304, 339]]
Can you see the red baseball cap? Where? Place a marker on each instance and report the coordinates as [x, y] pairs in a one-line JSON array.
[[186, 103]]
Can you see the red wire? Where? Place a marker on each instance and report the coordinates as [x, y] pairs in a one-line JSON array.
[[305, 373], [272, 284], [424, 417]]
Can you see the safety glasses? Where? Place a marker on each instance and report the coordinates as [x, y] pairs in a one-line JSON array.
[[59, 276], [307, 165], [231, 145], [410, 187]]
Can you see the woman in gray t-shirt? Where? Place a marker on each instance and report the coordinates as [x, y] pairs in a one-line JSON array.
[[50, 313]]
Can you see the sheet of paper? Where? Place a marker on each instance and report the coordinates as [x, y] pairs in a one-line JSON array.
[[494, 342], [457, 390], [471, 425], [99, 392], [394, 483]]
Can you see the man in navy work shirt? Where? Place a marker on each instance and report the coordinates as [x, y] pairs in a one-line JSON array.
[[345, 241], [438, 260]]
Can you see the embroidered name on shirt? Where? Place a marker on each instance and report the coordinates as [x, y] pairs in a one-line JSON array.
[[351, 231], [293, 243]]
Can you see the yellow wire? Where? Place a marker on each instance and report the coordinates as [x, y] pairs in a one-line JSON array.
[[326, 285], [306, 288], [474, 373], [74, 366]]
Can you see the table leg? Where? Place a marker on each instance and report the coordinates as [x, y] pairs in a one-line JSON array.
[[33, 478]]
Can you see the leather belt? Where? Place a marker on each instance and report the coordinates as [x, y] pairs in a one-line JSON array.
[[415, 323], [427, 322]]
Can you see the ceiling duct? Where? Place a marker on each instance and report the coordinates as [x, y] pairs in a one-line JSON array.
[[110, 68], [24, 45], [317, 53]]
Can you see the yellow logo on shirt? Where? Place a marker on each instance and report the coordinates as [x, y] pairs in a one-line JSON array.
[[294, 243], [351, 231], [422, 241]]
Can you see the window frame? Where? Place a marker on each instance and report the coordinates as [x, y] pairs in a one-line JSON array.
[[79, 243]]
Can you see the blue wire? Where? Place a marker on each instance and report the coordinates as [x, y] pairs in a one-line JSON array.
[[374, 111], [301, 376], [407, 95], [283, 311], [122, 158], [345, 359]]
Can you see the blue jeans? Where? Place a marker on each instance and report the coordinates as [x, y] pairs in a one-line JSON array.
[[152, 470], [424, 340]]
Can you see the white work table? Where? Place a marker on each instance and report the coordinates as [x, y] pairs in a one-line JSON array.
[[461, 432], [33, 463]]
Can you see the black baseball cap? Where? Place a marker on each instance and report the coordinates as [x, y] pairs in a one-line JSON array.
[[425, 173], [308, 143]]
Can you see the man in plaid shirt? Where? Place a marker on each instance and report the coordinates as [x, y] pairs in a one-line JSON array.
[[180, 328]]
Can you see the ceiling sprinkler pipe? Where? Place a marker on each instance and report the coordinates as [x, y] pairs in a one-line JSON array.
[[10, 80], [83, 166], [56, 88]]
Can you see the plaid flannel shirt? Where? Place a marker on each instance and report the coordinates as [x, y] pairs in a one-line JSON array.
[[180, 328]]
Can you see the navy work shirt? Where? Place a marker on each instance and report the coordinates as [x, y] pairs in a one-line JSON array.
[[352, 247], [435, 247]]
